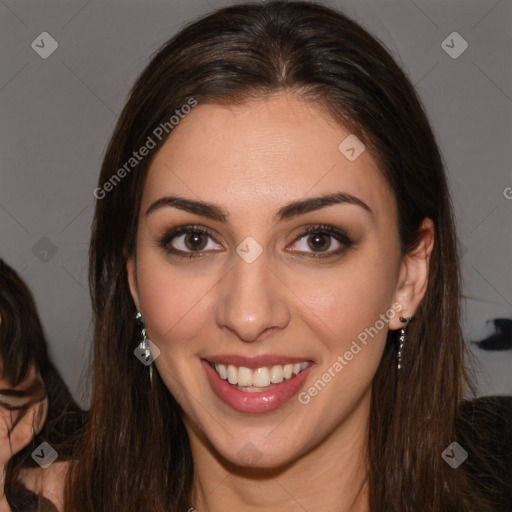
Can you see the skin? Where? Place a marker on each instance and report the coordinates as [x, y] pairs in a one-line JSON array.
[[252, 159]]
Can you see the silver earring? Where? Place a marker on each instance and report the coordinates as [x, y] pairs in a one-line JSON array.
[[144, 343], [401, 343]]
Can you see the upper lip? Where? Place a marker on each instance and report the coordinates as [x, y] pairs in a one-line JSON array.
[[254, 362]]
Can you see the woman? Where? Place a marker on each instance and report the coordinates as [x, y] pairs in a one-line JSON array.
[[35, 405], [272, 213]]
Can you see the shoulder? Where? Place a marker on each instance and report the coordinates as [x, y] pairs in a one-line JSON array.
[[49, 482]]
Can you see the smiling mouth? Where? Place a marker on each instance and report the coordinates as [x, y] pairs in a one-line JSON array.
[[258, 379]]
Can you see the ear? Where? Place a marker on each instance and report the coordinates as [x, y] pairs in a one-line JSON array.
[[132, 280], [413, 275]]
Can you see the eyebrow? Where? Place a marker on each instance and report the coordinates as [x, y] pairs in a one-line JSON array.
[[288, 211]]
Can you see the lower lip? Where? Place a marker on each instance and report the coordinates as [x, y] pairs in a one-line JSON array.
[[257, 402]]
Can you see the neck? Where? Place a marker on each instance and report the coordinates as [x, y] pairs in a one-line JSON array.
[[331, 476]]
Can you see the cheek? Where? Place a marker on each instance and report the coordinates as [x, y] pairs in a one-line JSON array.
[[349, 314], [173, 299], [174, 305], [349, 299]]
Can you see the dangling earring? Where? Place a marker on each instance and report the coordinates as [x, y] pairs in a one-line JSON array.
[[143, 351], [401, 343]]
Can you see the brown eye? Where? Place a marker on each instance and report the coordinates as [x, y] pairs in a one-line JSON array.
[[319, 241], [316, 241], [189, 240], [195, 241]]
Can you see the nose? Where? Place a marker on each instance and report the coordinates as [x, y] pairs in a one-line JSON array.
[[252, 300]]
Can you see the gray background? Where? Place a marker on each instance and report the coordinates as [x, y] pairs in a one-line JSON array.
[[57, 115]]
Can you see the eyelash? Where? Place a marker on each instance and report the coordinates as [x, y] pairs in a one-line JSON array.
[[321, 229]]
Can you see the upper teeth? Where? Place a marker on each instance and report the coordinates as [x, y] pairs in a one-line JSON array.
[[260, 377]]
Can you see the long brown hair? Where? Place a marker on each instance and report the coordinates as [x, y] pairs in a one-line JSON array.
[[135, 454], [22, 345]]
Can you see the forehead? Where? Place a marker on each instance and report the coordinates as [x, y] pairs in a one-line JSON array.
[[261, 154]]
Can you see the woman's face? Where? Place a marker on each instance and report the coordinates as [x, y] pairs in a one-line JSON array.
[[250, 289]]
